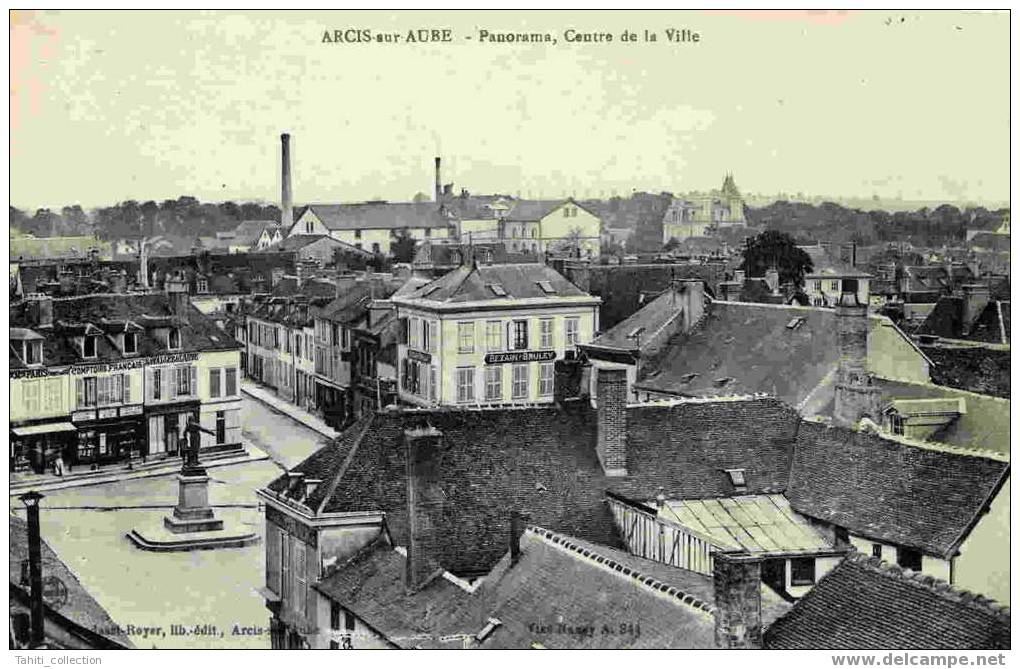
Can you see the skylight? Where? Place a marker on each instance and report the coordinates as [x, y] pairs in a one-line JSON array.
[[738, 479], [795, 323], [497, 289], [489, 628], [429, 290], [546, 287], [635, 333]]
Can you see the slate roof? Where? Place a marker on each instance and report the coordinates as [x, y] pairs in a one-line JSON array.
[[992, 325], [377, 215], [543, 460], [984, 426], [990, 241], [927, 278], [825, 265], [748, 348], [635, 212], [865, 604], [452, 255], [298, 242], [81, 608], [894, 492], [475, 207], [655, 315], [527, 211], [248, 232], [149, 311], [471, 283], [355, 295]]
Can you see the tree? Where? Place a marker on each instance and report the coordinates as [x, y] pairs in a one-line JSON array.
[[776, 249], [421, 197], [402, 248]]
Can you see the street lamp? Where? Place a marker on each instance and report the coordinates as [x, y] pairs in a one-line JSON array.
[[31, 501]]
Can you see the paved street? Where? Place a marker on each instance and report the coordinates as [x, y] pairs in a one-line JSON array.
[[286, 441], [214, 588]]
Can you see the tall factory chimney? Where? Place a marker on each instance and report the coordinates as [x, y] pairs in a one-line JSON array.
[[439, 182], [286, 200]]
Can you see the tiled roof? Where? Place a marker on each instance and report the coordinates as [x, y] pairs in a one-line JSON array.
[[891, 491], [543, 460], [149, 311], [865, 604], [473, 283], [562, 580], [526, 211], [355, 296], [80, 608], [371, 585], [377, 215]]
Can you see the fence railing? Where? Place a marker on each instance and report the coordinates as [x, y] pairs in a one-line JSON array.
[[654, 538]]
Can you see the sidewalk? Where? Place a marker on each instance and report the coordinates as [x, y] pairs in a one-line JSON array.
[[78, 479], [283, 406]]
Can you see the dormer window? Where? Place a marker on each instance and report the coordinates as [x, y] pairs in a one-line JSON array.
[[738, 479], [89, 346], [130, 343], [32, 352], [203, 285], [173, 339]]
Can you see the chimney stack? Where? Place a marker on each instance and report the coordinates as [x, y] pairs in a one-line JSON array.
[[143, 264], [439, 183], [856, 395], [611, 410], [177, 291], [425, 502], [40, 310], [736, 579], [772, 280], [975, 299], [516, 530], [287, 199]]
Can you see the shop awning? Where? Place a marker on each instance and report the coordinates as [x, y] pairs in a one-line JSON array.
[[40, 429]]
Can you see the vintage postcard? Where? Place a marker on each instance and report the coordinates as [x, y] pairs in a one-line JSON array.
[[471, 330]]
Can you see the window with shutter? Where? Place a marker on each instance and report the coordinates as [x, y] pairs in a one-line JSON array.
[[214, 382], [125, 382], [80, 383]]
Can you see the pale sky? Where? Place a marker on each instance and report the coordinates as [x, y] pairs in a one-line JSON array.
[[109, 106]]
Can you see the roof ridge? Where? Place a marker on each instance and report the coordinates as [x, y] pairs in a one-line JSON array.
[[674, 401], [934, 446], [938, 586], [565, 543], [342, 469]]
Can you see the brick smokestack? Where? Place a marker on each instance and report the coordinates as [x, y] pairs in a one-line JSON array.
[[737, 583], [856, 395], [516, 530], [611, 404], [425, 500], [439, 181], [286, 197]]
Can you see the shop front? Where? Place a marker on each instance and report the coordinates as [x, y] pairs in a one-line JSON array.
[[107, 435], [167, 425], [36, 446]]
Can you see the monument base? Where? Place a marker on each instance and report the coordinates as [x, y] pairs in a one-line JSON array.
[[160, 539]]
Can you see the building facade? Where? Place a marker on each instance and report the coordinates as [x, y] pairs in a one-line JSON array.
[[490, 334], [107, 378]]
